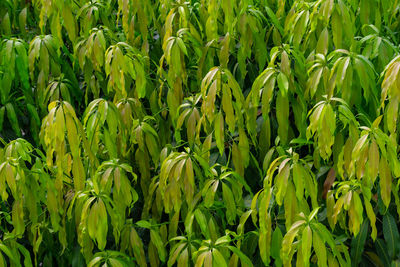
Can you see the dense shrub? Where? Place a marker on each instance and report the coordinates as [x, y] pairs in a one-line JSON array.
[[200, 132]]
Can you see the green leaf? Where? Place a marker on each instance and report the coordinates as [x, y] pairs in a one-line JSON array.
[[322, 45], [391, 234], [9, 254], [274, 19], [298, 180], [275, 249], [157, 241], [230, 203], [357, 244], [385, 181], [219, 132], [282, 116], [283, 84], [12, 117], [320, 250], [182, 45], [281, 183], [241, 255], [218, 258], [26, 254], [382, 251], [143, 224], [2, 111], [287, 242], [95, 261], [33, 112], [201, 220], [306, 242]]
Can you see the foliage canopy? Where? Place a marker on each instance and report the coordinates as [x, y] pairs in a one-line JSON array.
[[199, 133]]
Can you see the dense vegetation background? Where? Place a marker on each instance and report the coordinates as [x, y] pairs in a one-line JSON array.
[[210, 132]]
